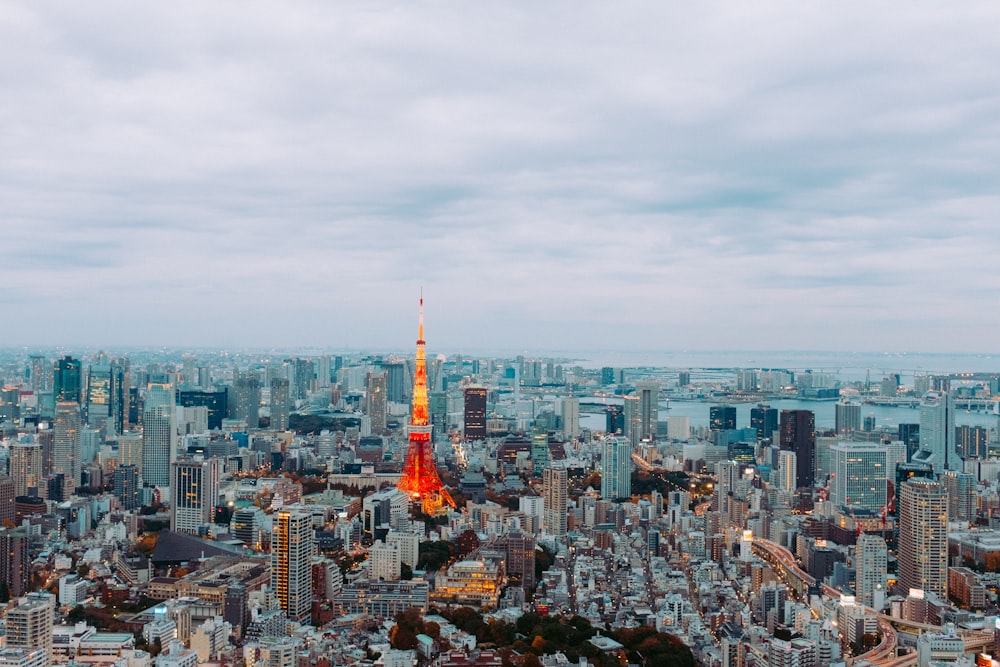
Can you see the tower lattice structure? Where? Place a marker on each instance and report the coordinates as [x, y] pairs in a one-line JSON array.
[[420, 479]]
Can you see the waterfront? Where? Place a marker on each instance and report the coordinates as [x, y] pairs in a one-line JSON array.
[[885, 417]]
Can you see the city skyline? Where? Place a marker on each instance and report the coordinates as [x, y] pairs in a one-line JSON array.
[[643, 176]]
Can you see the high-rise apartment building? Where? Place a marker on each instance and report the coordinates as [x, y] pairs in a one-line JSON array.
[[304, 375], [26, 466], [555, 493], [642, 411], [293, 545], [570, 412], [29, 624], [798, 434], [961, 489], [616, 468], [923, 537], [126, 486], [475, 413], [195, 488], [786, 471], [280, 403], [871, 558], [8, 501], [376, 402], [66, 444], [245, 404], [937, 432], [15, 566]]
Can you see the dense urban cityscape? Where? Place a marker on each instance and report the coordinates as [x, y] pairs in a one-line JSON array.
[[170, 509]]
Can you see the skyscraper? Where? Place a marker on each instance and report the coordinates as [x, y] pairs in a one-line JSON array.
[[26, 466], [872, 561], [860, 471], [764, 418], [798, 434], [937, 432], [554, 489], [616, 468], [847, 417], [246, 403], [292, 548], [126, 486], [475, 413], [961, 489], [395, 381], [923, 537], [786, 471], [570, 410], [40, 373], [376, 406], [67, 380], [98, 399], [614, 420], [159, 432], [66, 444], [305, 373], [280, 403], [15, 566], [722, 417], [642, 425], [195, 487], [539, 451]]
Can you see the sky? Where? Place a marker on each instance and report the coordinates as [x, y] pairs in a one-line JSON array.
[[553, 176]]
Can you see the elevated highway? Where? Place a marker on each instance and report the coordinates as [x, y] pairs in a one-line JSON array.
[[801, 580], [884, 654]]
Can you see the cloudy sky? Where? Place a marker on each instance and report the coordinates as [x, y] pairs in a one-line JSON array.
[[622, 175]]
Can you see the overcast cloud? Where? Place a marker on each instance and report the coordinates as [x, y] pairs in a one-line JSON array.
[[623, 175]]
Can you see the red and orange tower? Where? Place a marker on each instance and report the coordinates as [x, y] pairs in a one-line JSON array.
[[420, 477]]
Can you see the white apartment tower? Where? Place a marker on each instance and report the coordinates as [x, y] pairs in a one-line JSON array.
[[29, 624], [616, 468], [871, 565]]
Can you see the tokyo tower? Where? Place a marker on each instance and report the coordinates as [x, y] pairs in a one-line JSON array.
[[420, 477]]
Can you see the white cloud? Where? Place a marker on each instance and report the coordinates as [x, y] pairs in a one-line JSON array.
[[567, 175]]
